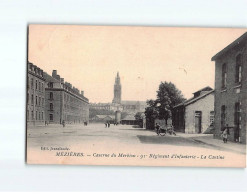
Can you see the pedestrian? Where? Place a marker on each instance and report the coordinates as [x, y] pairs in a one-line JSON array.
[[157, 127], [63, 123], [225, 133], [106, 124], [109, 124]]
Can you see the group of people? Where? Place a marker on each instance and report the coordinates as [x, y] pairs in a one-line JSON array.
[[168, 129], [107, 124]]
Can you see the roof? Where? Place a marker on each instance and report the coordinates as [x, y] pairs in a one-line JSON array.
[[192, 100], [129, 118], [126, 102], [230, 46], [204, 89], [104, 116], [50, 78]]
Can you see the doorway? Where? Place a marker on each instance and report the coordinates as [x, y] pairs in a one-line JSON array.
[[198, 121]]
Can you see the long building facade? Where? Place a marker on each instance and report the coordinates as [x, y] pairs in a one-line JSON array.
[[35, 95], [231, 90], [64, 102]]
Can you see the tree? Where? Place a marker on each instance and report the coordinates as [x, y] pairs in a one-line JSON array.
[[151, 113], [138, 116], [123, 115], [167, 97]]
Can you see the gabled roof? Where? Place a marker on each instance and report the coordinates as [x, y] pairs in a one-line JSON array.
[[192, 100], [230, 46], [204, 89]]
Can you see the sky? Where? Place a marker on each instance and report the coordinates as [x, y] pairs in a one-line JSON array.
[[89, 57]]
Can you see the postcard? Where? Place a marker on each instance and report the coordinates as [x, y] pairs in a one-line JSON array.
[[136, 96]]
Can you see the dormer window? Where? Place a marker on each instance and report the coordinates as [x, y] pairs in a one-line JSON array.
[[50, 85]]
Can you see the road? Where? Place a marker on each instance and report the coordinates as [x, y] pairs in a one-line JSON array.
[[97, 134], [97, 143]]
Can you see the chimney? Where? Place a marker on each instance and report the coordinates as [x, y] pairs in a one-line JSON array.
[[62, 80], [82, 93], [54, 73], [58, 77]]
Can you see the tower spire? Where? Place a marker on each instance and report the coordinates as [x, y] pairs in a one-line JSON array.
[[117, 90]]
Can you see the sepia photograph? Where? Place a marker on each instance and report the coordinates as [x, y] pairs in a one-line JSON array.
[[136, 96]]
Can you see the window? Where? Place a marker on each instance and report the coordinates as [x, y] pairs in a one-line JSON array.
[[27, 114], [42, 101], [42, 116], [211, 118], [39, 86], [32, 83], [36, 85], [51, 117], [32, 114], [50, 85], [51, 106], [39, 101], [42, 87], [32, 99], [237, 117], [36, 115], [36, 100], [224, 75], [27, 82], [238, 73], [51, 96], [223, 116]]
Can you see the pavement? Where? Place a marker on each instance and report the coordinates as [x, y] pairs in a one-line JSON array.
[[208, 139]]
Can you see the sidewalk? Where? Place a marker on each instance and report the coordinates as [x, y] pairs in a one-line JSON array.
[[217, 143]]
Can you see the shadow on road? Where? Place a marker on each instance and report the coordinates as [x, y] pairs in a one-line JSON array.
[[167, 140]]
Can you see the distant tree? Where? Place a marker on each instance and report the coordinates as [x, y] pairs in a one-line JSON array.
[[138, 116], [123, 115], [151, 113]]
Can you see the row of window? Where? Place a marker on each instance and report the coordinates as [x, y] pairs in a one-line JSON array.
[[238, 72], [38, 85], [38, 100], [38, 115]]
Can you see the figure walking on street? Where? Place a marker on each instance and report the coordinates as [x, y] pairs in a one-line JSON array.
[[225, 134], [63, 123]]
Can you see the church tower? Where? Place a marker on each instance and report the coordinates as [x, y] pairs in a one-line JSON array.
[[117, 90]]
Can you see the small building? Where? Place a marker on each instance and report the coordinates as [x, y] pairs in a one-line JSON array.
[[231, 89], [129, 120], [195, 115]]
